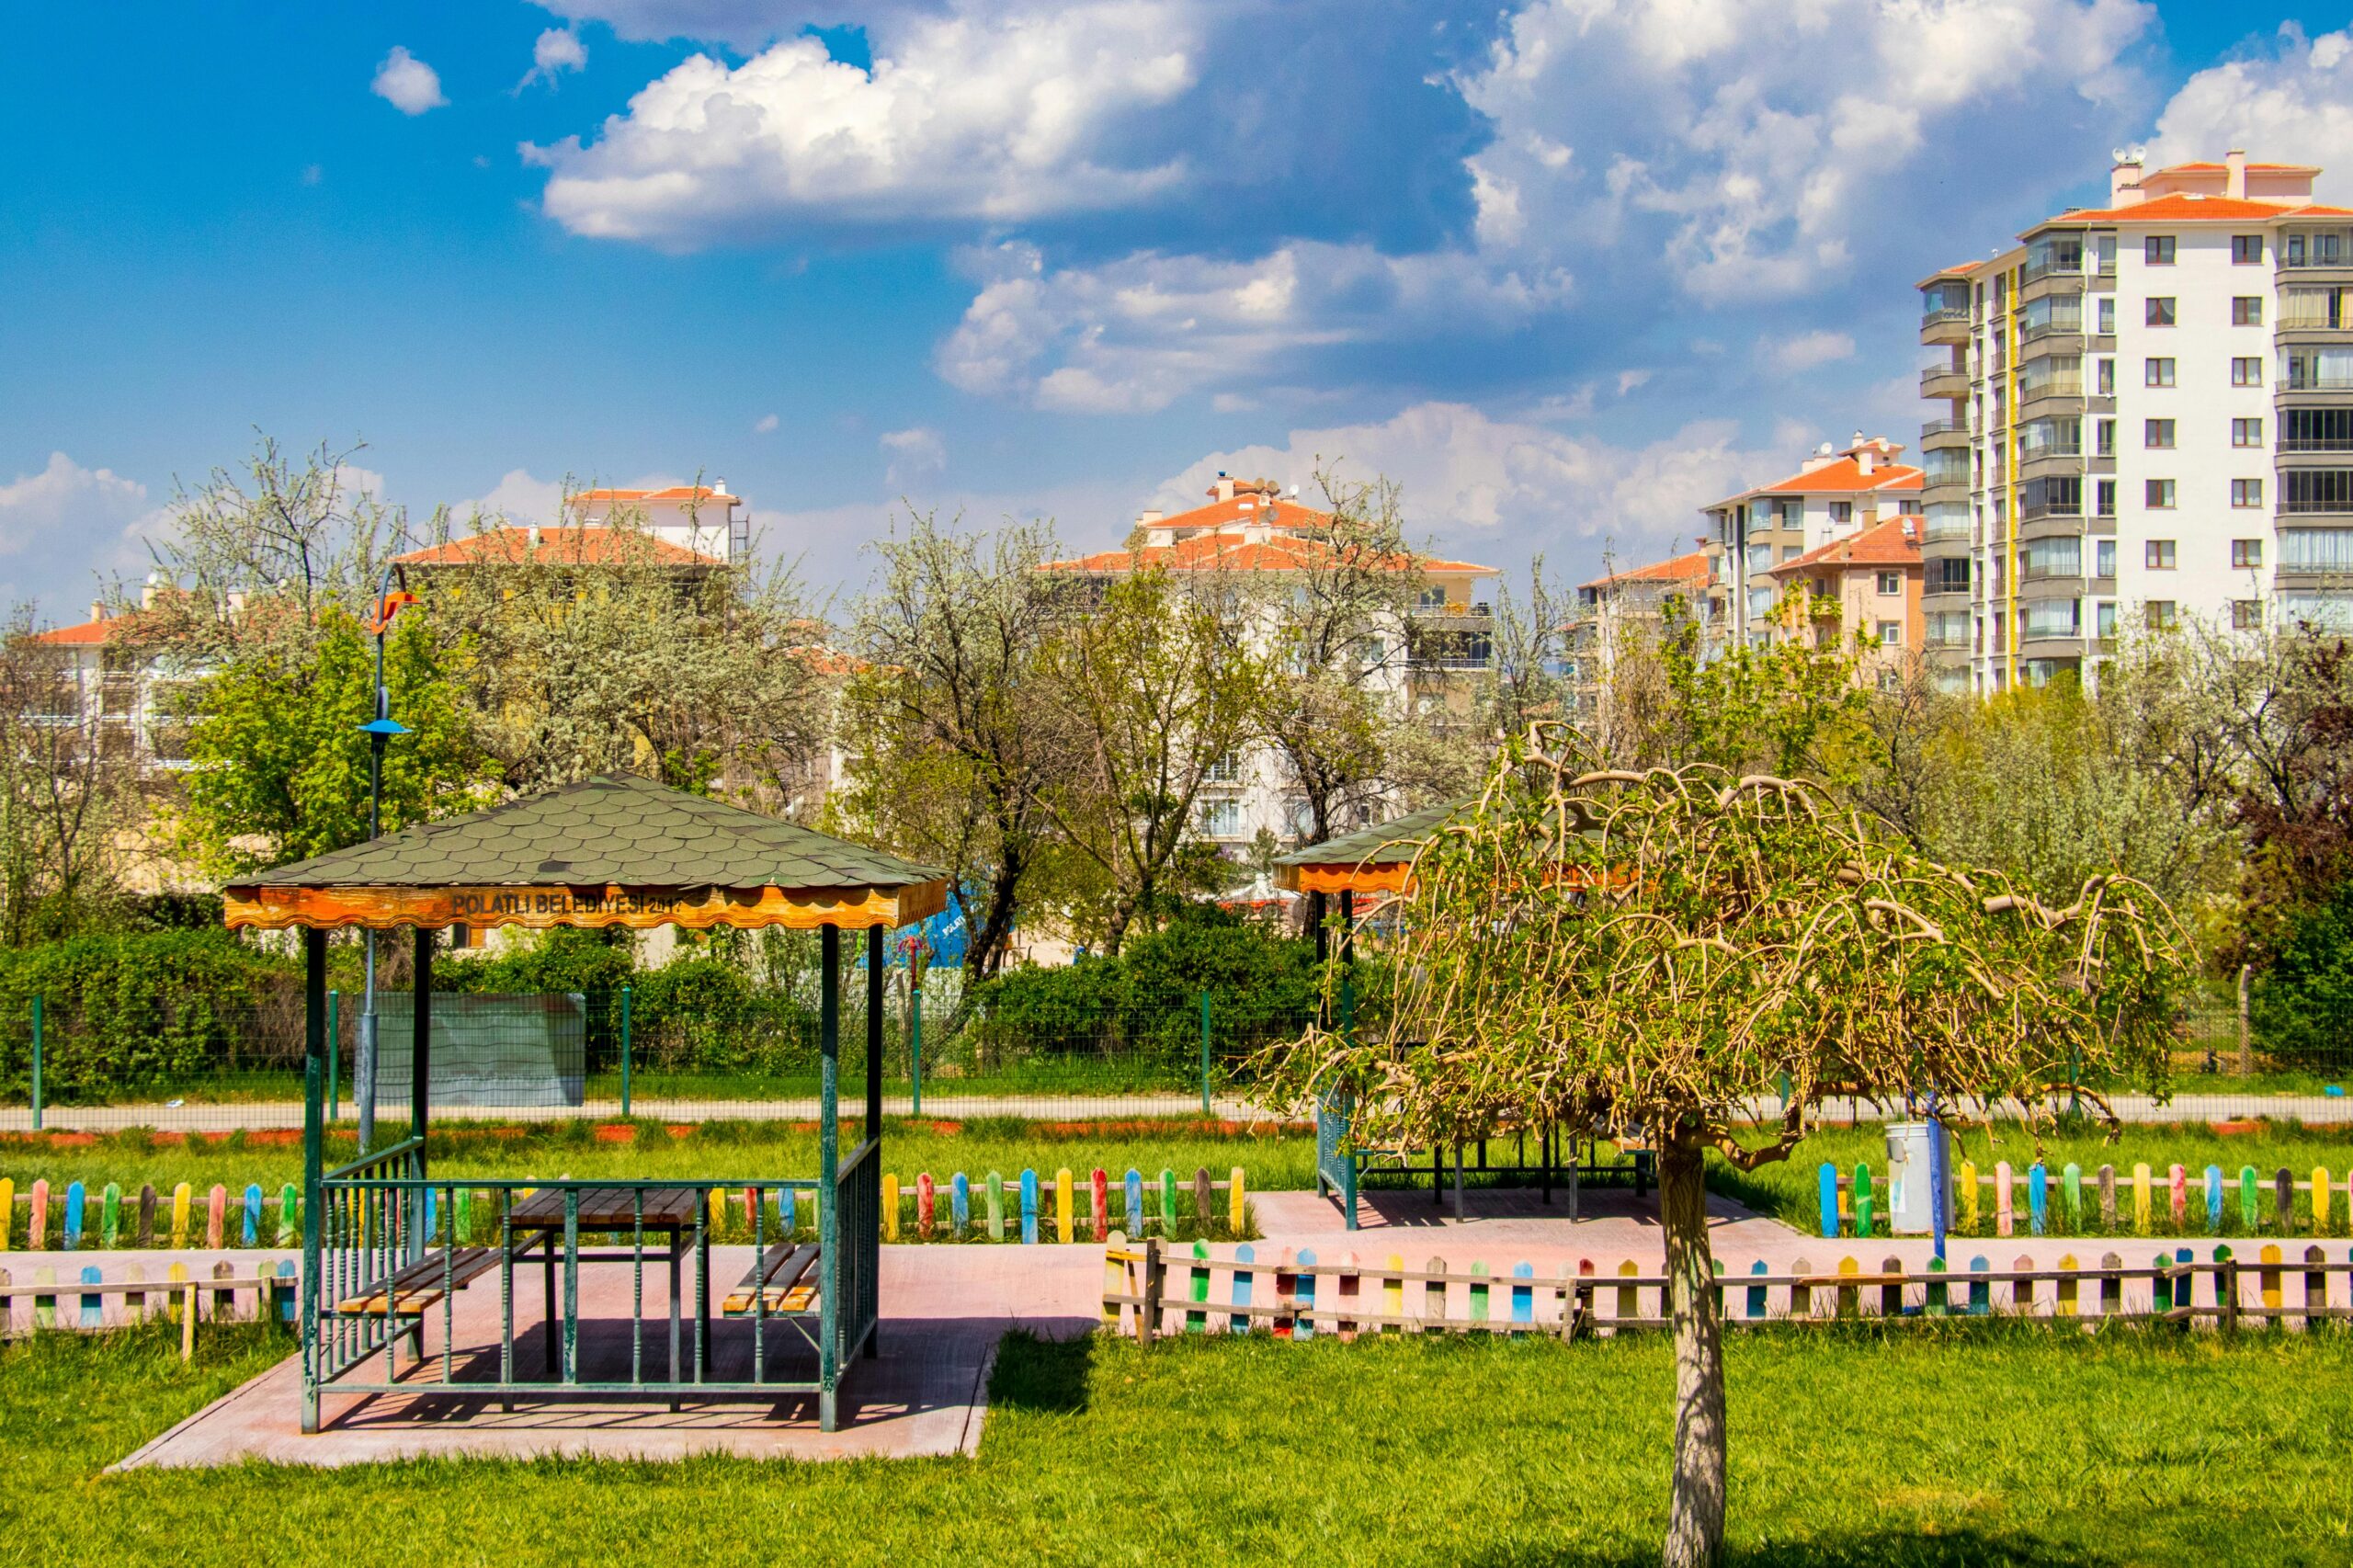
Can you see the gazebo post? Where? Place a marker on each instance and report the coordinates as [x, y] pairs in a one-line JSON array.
[[875, 1072], [314, 1050], [420, 1080], [829, 1224]]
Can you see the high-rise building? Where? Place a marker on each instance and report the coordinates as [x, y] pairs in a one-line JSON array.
[[2147, 415]]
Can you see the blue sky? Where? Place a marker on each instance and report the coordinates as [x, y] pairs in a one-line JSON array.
[[1565, 269]]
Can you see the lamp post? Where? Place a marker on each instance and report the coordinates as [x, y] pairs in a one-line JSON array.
[[380, 731]]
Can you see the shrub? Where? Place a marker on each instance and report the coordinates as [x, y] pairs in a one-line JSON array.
[[2301, 1008]]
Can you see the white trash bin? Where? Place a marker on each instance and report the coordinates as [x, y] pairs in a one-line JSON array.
[[1911, 1212]]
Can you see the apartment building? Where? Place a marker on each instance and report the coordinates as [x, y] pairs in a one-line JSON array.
[[2146, 413], [1634, 601], [1833, 495], [1427, 664], [1859, 592]]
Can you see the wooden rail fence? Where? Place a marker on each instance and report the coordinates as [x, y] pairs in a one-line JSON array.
[[266, 1292], [2029, 1199], [1151, 1289]]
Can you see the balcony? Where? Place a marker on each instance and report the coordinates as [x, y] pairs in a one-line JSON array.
[[1944, 380], [2054, 386], [1945, 324]]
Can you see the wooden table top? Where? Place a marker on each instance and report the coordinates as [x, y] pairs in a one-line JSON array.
[[611, 1208]]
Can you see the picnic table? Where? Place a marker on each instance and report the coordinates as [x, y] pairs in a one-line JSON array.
[[546, 1223]]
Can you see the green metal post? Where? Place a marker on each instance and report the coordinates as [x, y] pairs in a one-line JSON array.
[[315, 1030], [1205, 1053], [625, 1000], [915, 1040], [829, 1230], [36, 1062], [335, 1052]]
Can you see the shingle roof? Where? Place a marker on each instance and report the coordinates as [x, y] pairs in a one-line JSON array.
[[1690, 568], [1387, 843], [609, 830], [1895, 542], [592, 546], [1232, 552], [2188, 206]]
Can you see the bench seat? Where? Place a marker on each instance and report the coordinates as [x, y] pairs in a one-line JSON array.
[[781, 1280], [420, 1285]]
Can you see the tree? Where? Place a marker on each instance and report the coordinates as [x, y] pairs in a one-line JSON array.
[[949, 727], [1643, 953], [1441, 754], [69, 792], [1149, 691], [279, 767]]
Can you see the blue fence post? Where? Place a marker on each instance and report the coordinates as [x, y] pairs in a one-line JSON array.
[[625, 1001], [1205, 1053], [915, 1040], [36, 1062]]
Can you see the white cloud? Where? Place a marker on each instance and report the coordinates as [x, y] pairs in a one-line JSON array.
[[406, 83], [64, 527], [517, 497], [2293, 104], [993, 118], [1759, 146], [1134, 334], [914, 451], [556, 51], [765, 425], [1500, 490], [1806, 350]]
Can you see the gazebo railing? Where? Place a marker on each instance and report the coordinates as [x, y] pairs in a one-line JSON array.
[[858, 1185], [367, 1232]]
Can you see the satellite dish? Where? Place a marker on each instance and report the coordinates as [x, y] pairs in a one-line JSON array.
[[1293, 492]]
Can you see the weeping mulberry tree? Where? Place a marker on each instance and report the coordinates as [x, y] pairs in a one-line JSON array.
[[1647, 954]]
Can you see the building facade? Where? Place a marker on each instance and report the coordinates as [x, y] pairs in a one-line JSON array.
[[2144, 414], [1630, 602], [1860, 593], [1833, 495], [1425, 665]]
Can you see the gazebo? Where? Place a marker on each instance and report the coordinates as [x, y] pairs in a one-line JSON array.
[[382, 1251], [1378, 860]]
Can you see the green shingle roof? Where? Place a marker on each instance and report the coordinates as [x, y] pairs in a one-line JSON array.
[[612, 830], [1382, 844]]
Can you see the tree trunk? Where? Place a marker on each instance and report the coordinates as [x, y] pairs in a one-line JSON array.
[[1695, 1520]]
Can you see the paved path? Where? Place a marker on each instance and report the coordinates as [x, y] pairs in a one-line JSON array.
[[2186, 1106]]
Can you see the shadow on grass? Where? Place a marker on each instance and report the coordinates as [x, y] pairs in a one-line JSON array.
[[1047, 1377], [1907, 1548]]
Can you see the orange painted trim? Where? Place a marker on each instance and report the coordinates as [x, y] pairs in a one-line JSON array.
[[1371, 876], [539, 908]]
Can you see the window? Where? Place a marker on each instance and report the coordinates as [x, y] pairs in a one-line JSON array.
[[2105, 433], [2246, 553], [2104, 380], [2246, 615], [1842, 511], [1891, 635], [2156, 250], [2306, 307], [2246, 250], [2160, 615], [2104, 558], [1947, 574], [1226, 768], [2247, 371], [2317, 370], [2316, 490], [1220, 819], [2246, 492], [2104, 619], [2156, 433], [2158, 555], [2045, 558], [2108, 315], [2316, 549], [2104, 247], [2105, 506], [2156, 372], [2157, 494], [2158, 311], [2316, 430], [2246, 432], [1890, 585], [2246, 310]]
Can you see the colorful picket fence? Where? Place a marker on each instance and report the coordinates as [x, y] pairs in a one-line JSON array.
[[1064, 1206], [2147, 1202], [1153, 1288], [264, 1293], [76, 1220]]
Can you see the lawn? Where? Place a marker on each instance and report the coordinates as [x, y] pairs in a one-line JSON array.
[[1787, 1190], [1961, 1444]]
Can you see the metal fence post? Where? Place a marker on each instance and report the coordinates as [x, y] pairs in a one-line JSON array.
[[335, 1052], [37, 1042], [1205, 1053], [625, 1001], [915, 1040]]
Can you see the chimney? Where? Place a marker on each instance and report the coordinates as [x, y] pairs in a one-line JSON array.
[[97, 610], [1223, 489], [1145, 519], [147, 590], [535, 536], [1863, 457], [2124, 178], [2234, 180]]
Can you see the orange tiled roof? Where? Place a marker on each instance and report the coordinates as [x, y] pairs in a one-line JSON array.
[[1231, 552], [2205, 167], [89, 634], [675, 493], [1846, 474], [1691, 568], [2193, 208], [1895, 542], [581, 546]]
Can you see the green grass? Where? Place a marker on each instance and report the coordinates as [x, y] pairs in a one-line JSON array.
[[1788, 1190], [712, 1149], [1946, 1446]]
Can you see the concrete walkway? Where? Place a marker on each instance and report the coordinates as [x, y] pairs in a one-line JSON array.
[[2205, 1105]]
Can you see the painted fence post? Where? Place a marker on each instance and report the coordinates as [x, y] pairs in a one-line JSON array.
[[1204, 1200], [1392, 1295], [1351, 1297], [1098, 1200], [1829, 1201], [2140, 1197], [2068, 1305], [2004, 1220], [2213, 1200], [182, 1199], [1244, 1256], [2250, 1216], [37, 1229], [927, 1205], [2284, 1188], [891, 1208], [1523, 1296], [1938, 1302], [93, 1304], [1850, 1297], [1030, 1207], [2038, 1199], [1236, 1201], [76, 1205], [252, 1216], [2108, 1198], [2111, 1284], [960, 1204], [1478, 1293], [1168, 1199], [2267, 1279], [1981, 1297], [216, 1216], [110, 1216], [2177, 1195], [2320, 1200], [1304, 1327], [147, 1214], [1969, 1196], [1434, 1291], [1134, 1195], [1065, 1226], [2071, 1180], [1197, 1282], [1629, 1297], [7, 1211], [993, 1194], [2226, 1291], [1862, 1200]]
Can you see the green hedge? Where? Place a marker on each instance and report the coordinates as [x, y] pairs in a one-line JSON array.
[[2301, 1008]]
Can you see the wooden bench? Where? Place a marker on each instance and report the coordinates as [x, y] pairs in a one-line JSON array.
[[421, 1284], [780, 1281]]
